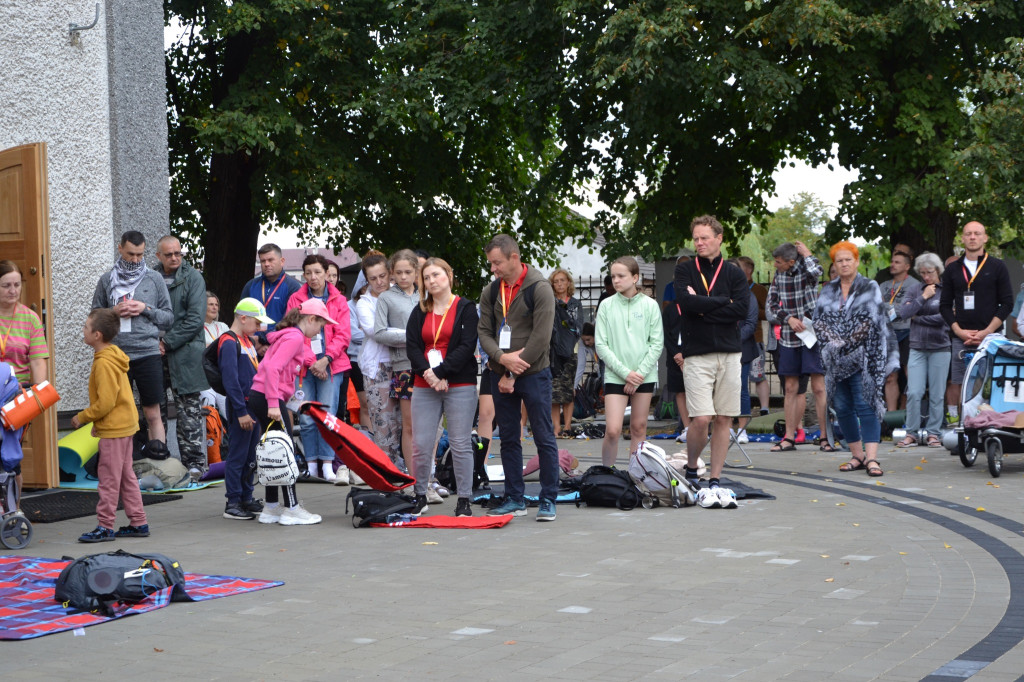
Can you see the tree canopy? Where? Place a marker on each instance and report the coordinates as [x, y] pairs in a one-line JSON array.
[[436, 123]]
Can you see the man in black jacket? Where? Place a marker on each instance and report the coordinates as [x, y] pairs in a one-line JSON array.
[[976, 297], [712, 297]]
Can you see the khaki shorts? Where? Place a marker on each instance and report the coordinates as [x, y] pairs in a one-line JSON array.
[[712, 384]]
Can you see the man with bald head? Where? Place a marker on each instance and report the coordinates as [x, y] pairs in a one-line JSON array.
[[976, 297]]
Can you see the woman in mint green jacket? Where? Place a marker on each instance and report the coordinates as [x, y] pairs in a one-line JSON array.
[[629, 338]]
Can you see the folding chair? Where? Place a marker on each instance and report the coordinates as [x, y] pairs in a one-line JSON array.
[[733, 441]]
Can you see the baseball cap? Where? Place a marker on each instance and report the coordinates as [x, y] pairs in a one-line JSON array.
[[253, 308], [314, 306]]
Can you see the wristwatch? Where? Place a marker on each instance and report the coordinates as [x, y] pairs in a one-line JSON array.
[[330, 360], [509, 375]]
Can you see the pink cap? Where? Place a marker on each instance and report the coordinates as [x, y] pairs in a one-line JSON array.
[[314, 306]]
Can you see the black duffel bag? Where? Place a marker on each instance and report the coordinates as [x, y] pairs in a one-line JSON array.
[[110, 582], [602, 486]]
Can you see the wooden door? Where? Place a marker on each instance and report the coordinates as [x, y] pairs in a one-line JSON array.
[[25, 239]]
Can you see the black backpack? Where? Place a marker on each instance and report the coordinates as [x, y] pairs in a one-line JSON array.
[[99, 582], [211, 365], [374, 506], [602, 486]]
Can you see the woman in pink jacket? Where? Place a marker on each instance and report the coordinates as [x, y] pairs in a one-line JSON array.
[[324, 378], [274, 385]]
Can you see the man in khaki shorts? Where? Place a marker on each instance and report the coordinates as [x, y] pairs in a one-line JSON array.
[[713, 297]]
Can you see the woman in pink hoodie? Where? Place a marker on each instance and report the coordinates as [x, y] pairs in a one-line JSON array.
[[323, 379], [274, 385]]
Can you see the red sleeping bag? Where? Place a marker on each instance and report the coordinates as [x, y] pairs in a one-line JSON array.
[[359, 453], [449, 522]]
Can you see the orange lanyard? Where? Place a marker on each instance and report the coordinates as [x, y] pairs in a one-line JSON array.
[[971, 280], [437, 330], [263, 289], [249, 350], [713, 279], [896, 291], [512, 295]]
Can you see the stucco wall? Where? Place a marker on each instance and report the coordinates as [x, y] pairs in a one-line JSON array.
[[58, 90]]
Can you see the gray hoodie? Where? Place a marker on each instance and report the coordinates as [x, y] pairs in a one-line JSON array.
[[144, 338], [393, 309]]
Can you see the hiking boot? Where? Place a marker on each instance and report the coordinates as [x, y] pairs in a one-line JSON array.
[[238, 513], [509, 506], [433, 497], [98, 534], [422, 507], [271, 513], [255, 506], [462, 507], [298, 516], [546, 511], [133, 531]]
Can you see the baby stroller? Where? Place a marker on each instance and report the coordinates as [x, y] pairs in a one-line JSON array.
[[995, 378], [15, 529]]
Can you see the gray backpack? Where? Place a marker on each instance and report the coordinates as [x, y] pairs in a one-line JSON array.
[[653, 474]]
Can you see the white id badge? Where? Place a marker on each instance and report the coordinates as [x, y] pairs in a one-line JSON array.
[[968, 300], [318, 344], [434, 358], [892, 314], [126, 325], [297, 399], [505, 337]]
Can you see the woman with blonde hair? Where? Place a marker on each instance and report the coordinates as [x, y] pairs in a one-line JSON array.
[[565, 336], [442, 337]]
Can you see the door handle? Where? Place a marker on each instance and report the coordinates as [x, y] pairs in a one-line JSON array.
[[32, 271]]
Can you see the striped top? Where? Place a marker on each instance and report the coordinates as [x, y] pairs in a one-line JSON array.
[[22, 340]]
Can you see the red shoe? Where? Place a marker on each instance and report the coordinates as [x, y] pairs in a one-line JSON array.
[[801, 436]]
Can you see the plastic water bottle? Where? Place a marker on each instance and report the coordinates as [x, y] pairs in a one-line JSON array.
[[400, 518]]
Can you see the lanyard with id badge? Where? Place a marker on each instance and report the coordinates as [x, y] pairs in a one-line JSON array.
[[892, 298], [969, 295], [434, 356], [505, 333]]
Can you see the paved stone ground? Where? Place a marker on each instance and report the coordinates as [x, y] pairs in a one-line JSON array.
[[841, 578]]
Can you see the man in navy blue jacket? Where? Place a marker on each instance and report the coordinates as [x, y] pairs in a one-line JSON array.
[[712, 296], [273, 287]]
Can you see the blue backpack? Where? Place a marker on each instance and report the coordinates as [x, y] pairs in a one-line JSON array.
[[10, 441]]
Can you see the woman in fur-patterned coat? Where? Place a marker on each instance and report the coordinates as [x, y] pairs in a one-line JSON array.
[[858, 350]]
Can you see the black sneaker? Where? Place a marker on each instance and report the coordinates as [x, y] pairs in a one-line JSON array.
[[255, 506], [462, 507], [133, 531], [98, 534], [421, 505], [238, 512]]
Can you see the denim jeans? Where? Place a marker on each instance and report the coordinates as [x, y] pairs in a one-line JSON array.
[[534, 392], [745, 388], [459, 406], [926, 367], [325, 391], [855, 415]]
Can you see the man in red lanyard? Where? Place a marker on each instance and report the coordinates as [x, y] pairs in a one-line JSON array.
[[712, 297], [976, 298], [517, 314], [273, 287], [895, 292]]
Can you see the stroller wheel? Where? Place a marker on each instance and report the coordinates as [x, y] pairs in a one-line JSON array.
[[16, 532], [968, 453], [994, 449]]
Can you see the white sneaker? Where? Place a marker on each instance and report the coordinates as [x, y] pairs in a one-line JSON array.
[[742, 437], [708, 498], [439, 489], [271, 513], [297, 516], [353, 478], [727, 498], [681, 438], [329, 474], [433, 497]]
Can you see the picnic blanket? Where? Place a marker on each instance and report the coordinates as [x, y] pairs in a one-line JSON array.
[[27, 608]]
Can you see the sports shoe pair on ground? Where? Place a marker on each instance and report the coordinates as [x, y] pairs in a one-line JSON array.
[[288, 516], [717, 498], [545, 511], [423, 503], [101, 534]]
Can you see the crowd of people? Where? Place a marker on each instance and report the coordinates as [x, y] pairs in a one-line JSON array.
[[421, 359]]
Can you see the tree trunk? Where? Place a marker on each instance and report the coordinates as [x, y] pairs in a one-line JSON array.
[[938, 236], [232, 228]]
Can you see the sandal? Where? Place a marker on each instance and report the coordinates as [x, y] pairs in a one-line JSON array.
[[908, 442], [874, 470], [853, 465], [825, 446], [934, 441], [782, 447]]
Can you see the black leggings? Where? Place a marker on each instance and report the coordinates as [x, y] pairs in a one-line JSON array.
[[258, 406]]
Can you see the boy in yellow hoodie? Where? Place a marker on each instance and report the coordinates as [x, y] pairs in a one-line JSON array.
[[114, 420]]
